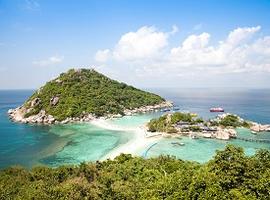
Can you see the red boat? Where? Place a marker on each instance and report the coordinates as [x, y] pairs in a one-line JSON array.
[[216, 110]]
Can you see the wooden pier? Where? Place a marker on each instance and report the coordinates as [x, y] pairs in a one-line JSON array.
[[253, 140]]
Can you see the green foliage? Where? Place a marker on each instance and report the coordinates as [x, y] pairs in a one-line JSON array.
[[87, 91], [34, 111], [229, 175], [161, 124], [178, 116], [171, 130], [198, 120], [246, 124], [166, 122], [233, 121]]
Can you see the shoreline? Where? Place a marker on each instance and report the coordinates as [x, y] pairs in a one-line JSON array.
[[139, 141], [142, 139], [17, 115]]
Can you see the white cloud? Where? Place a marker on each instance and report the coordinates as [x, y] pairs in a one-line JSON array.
[[239, 35], [196, 41], [102, 55], [49, 61], [145, 43], [240, 52]]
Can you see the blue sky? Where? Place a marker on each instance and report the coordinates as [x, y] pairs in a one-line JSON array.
[[144, 43]]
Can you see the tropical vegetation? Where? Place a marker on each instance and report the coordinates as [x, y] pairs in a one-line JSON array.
[[86, 91], [166, 122], [233, 121], [229, 175]]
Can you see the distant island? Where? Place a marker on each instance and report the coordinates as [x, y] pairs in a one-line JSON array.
[[83, 95], [221, 127]]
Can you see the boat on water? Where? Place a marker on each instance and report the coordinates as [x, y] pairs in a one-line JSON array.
[[178, 144], [165, 110], [219, 109]]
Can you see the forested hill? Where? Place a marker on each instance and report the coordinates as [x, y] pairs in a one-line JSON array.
[[229, 175], [86, 91]]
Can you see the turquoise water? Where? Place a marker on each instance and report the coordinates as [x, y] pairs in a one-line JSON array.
[[202, 149], [61, 144], [85, 143], [31, 145]]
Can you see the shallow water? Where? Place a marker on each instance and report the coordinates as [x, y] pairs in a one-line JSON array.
[[30, 145], [86, 143], [203, 149]]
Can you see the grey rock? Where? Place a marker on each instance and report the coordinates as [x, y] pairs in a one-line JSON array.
[[35, 102], [54, 100]]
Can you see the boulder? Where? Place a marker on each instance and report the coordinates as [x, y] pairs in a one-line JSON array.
[[39, 120], [65, 121], [35, 102], [54, 100], [10, 111], [117, 116], [256, 127], [50, 119]]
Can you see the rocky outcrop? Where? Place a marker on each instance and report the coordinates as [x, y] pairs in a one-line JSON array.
[[35, 102], [256, 127], [41, 118], [145, 109], [85, 118], [54, 100], [18, 114], [225, 134]]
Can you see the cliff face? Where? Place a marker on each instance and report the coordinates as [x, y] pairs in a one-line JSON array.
[[83, 94]]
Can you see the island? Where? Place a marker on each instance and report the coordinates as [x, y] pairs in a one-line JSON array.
[[189, 124], [84, 95]]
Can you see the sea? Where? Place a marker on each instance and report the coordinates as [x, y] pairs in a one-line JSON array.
[[32, 145]]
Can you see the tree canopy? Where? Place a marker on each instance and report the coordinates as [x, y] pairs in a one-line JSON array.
[[87, 91], [229, 175], [233, 121], [166, 122]]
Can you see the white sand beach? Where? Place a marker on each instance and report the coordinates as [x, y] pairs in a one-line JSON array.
[[140, 141]]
